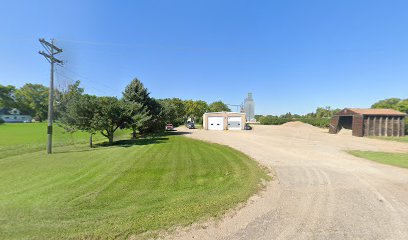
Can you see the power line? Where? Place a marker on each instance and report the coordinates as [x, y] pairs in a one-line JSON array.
[[88, 79], [163, 47], [73, 80]]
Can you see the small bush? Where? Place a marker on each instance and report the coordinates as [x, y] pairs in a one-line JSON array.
[[1, 121]]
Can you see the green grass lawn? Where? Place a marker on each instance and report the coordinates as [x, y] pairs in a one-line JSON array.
[[120, 191], [398, 139], [18, 138], [395, 159]]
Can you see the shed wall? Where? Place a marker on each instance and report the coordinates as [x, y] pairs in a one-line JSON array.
[[358, 126], [334, 125], [384, 126]]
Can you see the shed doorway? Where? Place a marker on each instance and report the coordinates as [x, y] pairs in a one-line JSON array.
[[215, 123], [346, 125], [234, 123], [346, 122]]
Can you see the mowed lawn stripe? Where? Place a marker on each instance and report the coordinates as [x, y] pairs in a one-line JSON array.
[[123, 190], [395, 159]]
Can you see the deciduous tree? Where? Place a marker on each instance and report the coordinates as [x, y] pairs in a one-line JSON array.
[[110, 114], [218, 106], [6, 100], [33, 99], [387, 103], [196, 109], [78, 114], [63, 99], [403, 106], [174, 110], [97, 114]]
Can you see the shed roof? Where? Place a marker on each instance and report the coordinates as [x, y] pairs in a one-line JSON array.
[[369, 111]]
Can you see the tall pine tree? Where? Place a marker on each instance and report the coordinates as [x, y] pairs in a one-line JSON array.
[[139, 101]]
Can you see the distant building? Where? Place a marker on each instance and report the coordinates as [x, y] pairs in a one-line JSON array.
[[224, 121], [249, 108], [369, 122], [14, 116]]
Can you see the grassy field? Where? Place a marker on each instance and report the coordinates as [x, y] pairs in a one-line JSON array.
[[395, 159], [398, 139], [19, 138], [130, 188]]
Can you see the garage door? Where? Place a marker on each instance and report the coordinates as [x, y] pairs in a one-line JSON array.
[[234, 123], [215, 123]]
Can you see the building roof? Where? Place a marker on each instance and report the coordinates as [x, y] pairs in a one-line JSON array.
[[370, 111], [4, 111], [8, 111], [224, 112], [227, 113]]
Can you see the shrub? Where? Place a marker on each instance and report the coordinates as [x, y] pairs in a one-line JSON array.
[[274, 120], [317, 122], [1, 121]]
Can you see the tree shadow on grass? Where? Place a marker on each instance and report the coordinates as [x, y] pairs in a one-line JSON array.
[[177, 133], [137, 142], [147, 140]]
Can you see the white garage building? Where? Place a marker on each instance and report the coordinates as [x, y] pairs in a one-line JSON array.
[[224, 121]]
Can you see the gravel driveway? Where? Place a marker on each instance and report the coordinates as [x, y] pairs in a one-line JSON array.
[[318, 192]]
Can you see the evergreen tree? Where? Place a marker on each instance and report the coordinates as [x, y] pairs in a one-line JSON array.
[[136, 96]]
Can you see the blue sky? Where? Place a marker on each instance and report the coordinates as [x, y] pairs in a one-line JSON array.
[[293, 55]]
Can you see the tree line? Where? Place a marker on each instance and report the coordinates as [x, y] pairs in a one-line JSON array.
[[321, 116], [135, 110], [138, 111], [30, 99], [393, 103]]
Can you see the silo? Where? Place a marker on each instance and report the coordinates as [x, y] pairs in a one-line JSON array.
[[249, 108]]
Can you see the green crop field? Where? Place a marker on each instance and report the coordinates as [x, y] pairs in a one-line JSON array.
[[395, 159], [132, 188]]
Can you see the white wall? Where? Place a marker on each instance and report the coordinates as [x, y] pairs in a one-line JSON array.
[[16, 118]]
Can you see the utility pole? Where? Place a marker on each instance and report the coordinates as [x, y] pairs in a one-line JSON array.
[[49, 55]]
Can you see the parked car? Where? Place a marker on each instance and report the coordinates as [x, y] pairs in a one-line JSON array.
[[190, 125], [247, 127], [169, 127]]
